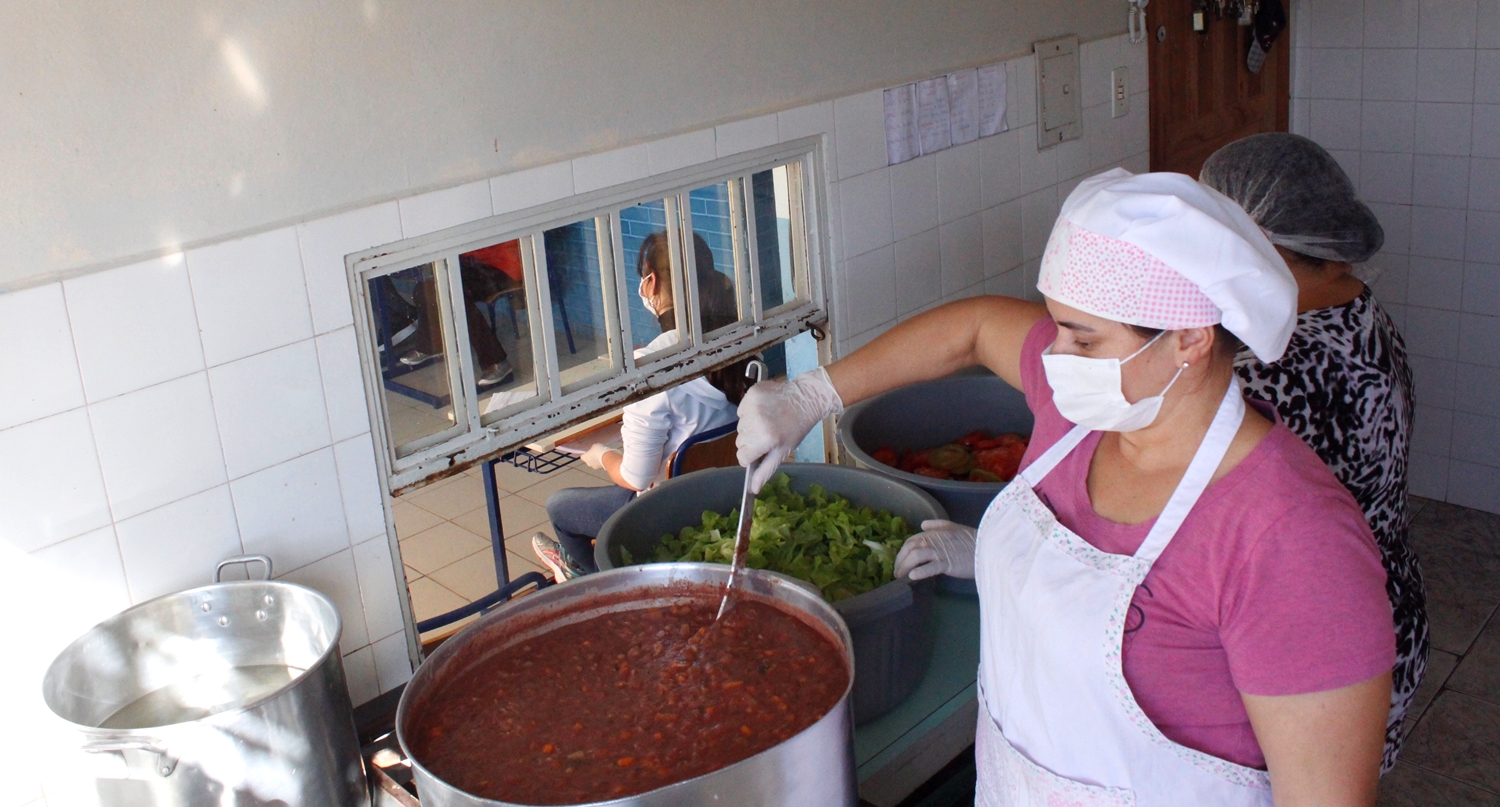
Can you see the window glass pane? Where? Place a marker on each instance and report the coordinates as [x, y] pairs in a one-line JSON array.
[[410, 346], [780, 277], [499, 327], [643, 238], [579, 326], [720, 297]]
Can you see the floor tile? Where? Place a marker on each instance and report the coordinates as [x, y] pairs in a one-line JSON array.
[[429, 598], [1444, 516], [457, 496], [471, 578], [1459, 736], [521, 564], [517, 515], [557, 481], [1439, 667], [1410, 786], [1460, 567], [509, 478], [411, 519], [433, 549], [1415, 504], [520, 543], [1479, 672]]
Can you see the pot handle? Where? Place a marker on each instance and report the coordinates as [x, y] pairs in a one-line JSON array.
[[219, 569], [163, 765]]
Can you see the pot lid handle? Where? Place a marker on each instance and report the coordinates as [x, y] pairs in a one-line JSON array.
[[219, 569]]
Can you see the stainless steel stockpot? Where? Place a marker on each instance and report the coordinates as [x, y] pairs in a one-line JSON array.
[[232, 693], [815, 767]]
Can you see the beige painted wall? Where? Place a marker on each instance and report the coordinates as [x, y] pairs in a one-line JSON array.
[[132, 129]]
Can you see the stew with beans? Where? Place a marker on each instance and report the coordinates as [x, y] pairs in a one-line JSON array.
[[628, 701]]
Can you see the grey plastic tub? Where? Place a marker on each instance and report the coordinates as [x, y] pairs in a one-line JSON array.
[[931, 414], [891, 626]]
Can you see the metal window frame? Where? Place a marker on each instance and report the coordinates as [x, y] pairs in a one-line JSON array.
[[631, 380]]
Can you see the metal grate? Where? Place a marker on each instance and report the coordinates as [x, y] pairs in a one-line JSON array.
[[543, 463]]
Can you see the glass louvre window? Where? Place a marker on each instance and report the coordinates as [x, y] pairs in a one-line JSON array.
[[490, 335]]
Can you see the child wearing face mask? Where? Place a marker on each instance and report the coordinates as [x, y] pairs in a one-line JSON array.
[[654, 428]]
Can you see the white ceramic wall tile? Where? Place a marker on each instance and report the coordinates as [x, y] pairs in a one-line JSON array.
[[1433, 381], [1384, 125], [962, 246], [1443, 129], [534, 186], [1009, 284], [1020, 93], [1432, 430], [1301, 122], [1134, 57], [919, 277], [1072, 159], [1486, 140], [1430, 332], [359, 673], [40, 368], [1002, 239], [914, 196], [1038, 168], [1349, 161], [392, 662], [1386, 275], [1472, 388], [270, 408], [1396, 221], [335, 577], [133, 327], [379, 587], [1481, 289], [87, 570], [176, 547], [1436, 283], [672, 153], [958, 182], [870, 293], [325, 243], [1331, 23], [250, 295], [745, 135], [343, 384], [609, 168], [1038, 212], [1437, 232], [158, 445], [1487, 29], [1389, 74], [1335, 124], [805, 121], [1483, 184], [1479, 342], [859, 132], [1331, 72], [1476, 439], [359, 484], [1387, 179], [445, 208], [1487, 77], [1447, 23], [1387, 23], [1427, 475], [866, 202], [1437, 181], [1476, 486], [1138, 163], [999, 168], [293, 511], [1445, 75], [1482, 244]]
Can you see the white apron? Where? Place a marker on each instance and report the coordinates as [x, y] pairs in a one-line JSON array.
[[1058, 725]]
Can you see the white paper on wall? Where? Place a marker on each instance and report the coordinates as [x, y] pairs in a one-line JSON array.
[[901, 143], [963, 106], [932, 115], [991, 91]]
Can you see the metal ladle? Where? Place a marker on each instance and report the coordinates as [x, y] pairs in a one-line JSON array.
[[755, 371]]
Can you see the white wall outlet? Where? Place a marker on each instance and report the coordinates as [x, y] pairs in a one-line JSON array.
[[1119, 104]]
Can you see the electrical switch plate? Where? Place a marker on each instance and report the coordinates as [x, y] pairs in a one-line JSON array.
[[1059, 92], [1119, 81]]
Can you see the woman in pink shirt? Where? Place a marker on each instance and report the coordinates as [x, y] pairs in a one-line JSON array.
[[1179, 603]]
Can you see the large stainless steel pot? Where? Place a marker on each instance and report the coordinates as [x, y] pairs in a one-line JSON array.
[[231, 693], [815, 767]]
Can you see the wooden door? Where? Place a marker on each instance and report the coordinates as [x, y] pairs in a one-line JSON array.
[[1202, 94]]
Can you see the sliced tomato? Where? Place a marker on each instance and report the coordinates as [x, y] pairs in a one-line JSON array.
[[885, 455]]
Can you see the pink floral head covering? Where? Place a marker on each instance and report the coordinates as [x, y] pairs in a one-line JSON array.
[[1165, 251]]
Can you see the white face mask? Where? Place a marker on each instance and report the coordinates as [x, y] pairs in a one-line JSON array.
[[1088, 392], [645, 299]]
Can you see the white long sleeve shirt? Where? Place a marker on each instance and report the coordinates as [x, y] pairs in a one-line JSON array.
[[652, 429]]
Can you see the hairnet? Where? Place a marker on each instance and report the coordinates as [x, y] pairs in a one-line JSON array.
[[1298, 193]]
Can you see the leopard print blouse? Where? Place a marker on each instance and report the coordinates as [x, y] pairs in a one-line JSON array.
[[1345, 388]]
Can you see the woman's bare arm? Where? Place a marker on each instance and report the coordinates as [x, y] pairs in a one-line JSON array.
[[978, 330], [1323, 749]]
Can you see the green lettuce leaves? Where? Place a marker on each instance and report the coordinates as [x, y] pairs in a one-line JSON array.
[[818, 537]]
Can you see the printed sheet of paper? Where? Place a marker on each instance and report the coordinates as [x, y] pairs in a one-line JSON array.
[[932, 115], [963, 106], [901, 142], [991, 81]]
